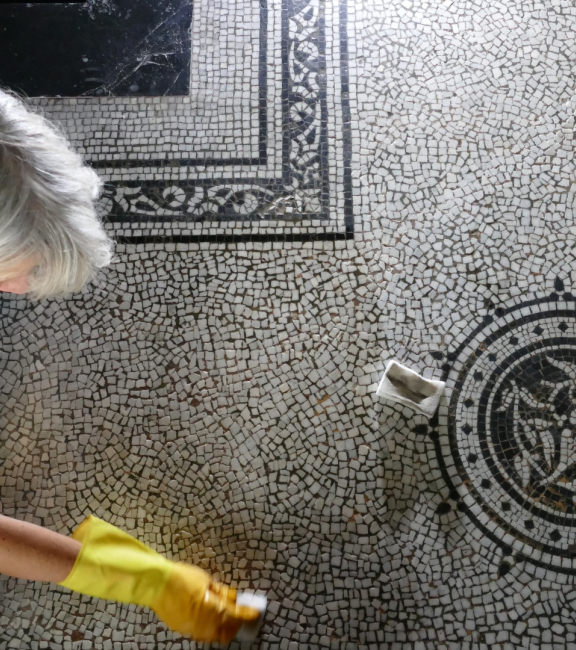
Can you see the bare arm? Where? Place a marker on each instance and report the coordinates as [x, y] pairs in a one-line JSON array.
[[35, 553]]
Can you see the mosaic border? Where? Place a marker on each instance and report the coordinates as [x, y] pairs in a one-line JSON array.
[[271, 199], [128, 163], [445, 419]]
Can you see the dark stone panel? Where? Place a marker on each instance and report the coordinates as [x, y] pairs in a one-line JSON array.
[[99, 47]]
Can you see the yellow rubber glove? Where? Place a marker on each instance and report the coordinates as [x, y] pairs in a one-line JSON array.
[[115, 566]]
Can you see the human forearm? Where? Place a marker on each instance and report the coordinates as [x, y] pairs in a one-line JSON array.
[[115, 566], [35, 553], [103, 561]]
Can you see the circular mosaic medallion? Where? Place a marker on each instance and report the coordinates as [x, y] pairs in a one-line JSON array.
[[512, 431]]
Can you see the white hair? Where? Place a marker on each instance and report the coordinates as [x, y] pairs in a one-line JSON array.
[[47, 204]]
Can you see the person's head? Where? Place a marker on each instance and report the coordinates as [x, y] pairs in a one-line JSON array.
[[51, 239]]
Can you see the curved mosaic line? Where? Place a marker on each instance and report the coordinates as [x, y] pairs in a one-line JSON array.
[[512, 432]]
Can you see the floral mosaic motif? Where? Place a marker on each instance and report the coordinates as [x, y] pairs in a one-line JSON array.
[[306, 84], [301, 195], [512, 430], [543, 419], [192, 203], [203, 203]]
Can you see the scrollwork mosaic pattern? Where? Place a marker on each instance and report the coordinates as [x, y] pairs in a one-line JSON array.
[[302, 193], [201, 203], [307, 85]]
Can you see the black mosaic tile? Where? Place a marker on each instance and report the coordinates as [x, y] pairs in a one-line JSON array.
[[119, 48]]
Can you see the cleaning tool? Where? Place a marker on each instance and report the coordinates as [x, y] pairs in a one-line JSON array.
[[249, 630], [115, 566], [403, 385]]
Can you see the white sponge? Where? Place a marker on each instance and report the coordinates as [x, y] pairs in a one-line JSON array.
[[403, 385], [249, 630]]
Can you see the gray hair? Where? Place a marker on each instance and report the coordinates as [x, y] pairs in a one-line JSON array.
[[47, 204]]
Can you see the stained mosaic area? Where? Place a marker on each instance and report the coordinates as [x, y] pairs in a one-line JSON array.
[[216, 397]]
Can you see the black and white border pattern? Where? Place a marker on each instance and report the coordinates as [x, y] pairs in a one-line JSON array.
[[524, 529], [295, 207]]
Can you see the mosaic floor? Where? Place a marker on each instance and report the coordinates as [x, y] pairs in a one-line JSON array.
[[343, 184]]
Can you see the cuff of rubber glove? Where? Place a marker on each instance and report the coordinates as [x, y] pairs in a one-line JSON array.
[[79, 534], [115, 566], [82, 529]]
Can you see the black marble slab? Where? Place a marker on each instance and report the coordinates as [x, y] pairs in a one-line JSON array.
[[99, 47]]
